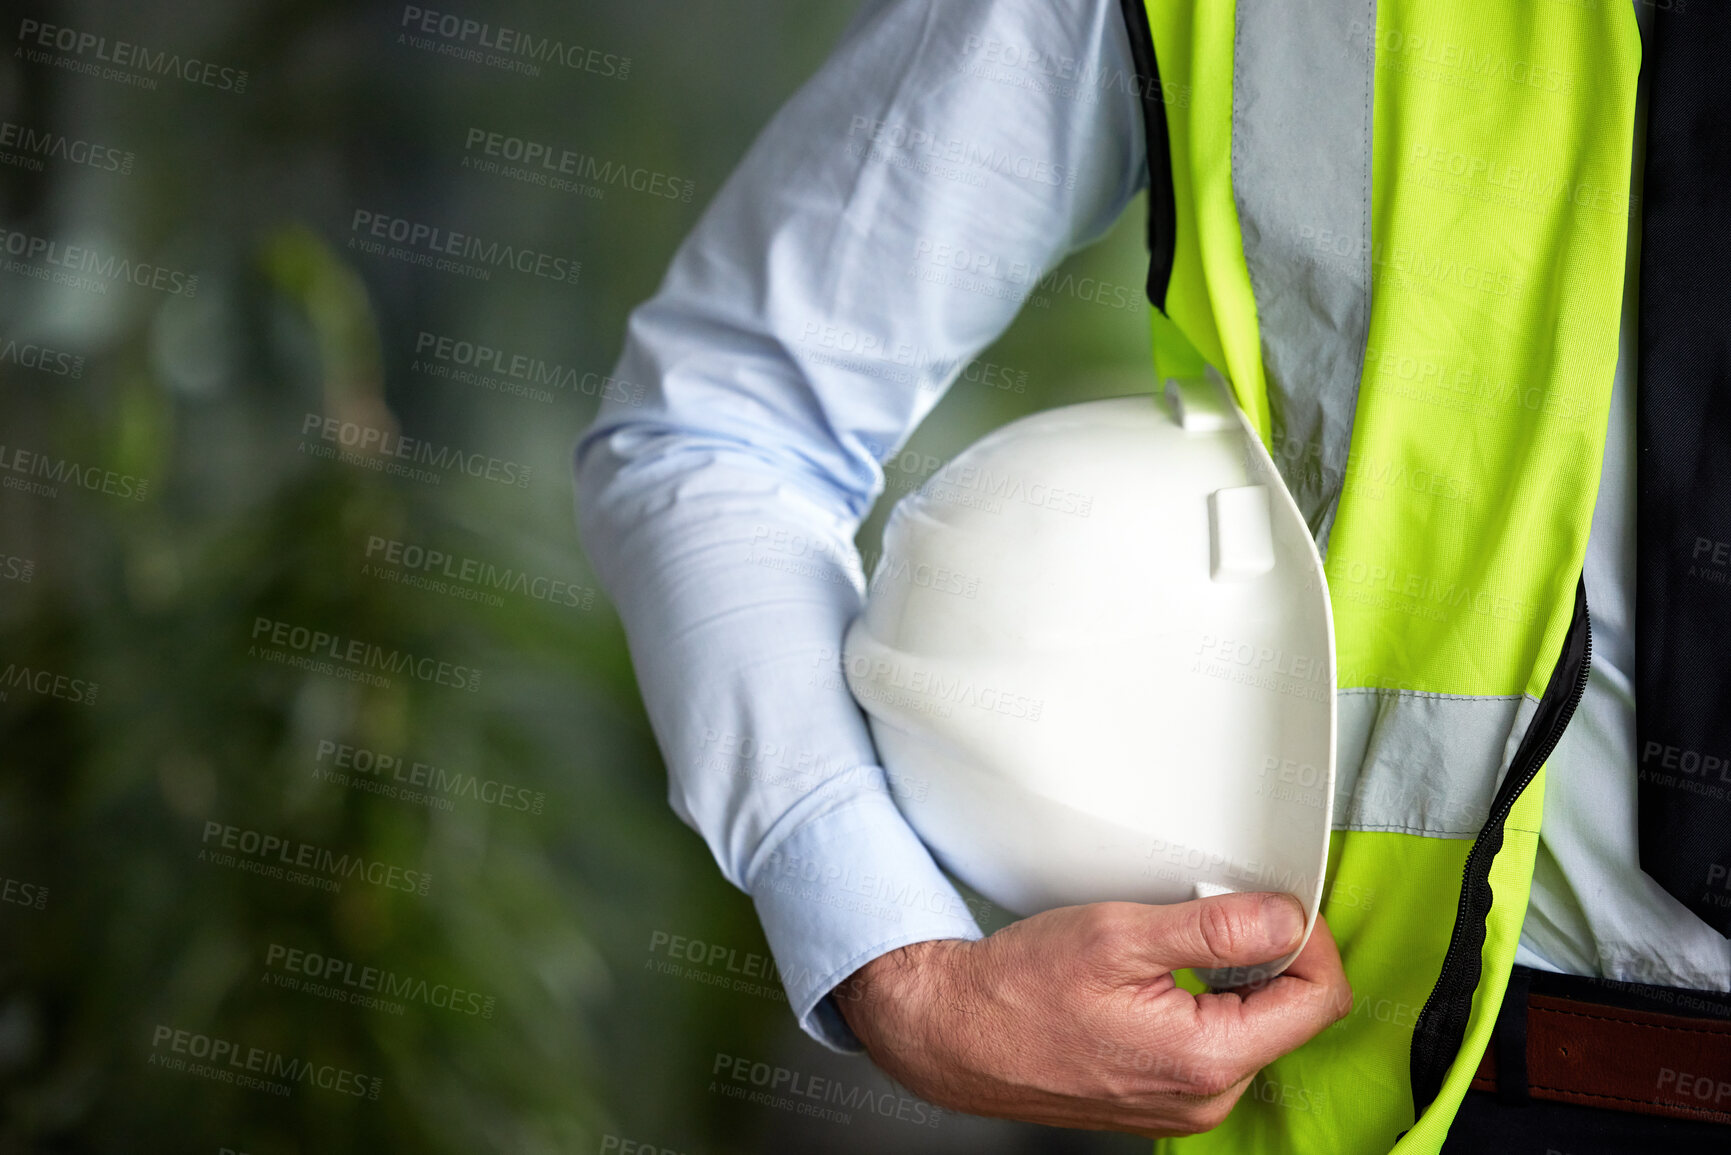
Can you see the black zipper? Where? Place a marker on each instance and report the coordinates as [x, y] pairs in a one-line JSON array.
[[1162, 203], [1442, 1025]]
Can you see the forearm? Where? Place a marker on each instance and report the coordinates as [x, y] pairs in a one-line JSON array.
[[803, 330], [735, 590]]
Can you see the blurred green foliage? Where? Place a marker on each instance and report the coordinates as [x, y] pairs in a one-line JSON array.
[[547, 915]]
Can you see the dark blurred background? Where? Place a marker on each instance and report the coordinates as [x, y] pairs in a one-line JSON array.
[[330, 820]]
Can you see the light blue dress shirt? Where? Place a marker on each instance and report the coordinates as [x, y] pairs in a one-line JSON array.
[[883, 229], [1593, 910]]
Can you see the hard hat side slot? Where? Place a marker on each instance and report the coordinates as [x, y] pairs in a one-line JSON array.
[[1240, 533]]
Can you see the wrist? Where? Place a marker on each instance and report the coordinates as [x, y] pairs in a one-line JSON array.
[[898, 982]]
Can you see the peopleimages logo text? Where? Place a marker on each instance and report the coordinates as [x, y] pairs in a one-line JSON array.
[[526, 47], [387, 443], [282, 852], [54, 472], [474, 572], [362, 981], [318, 644], [28, 355], [483, 359], [442, 242], [358, 763], [552, 160], [231, 1062], [86, 259], [47, 683], [124, 54], [46, 143]]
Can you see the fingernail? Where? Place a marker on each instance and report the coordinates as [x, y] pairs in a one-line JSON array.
[[1283, 919]]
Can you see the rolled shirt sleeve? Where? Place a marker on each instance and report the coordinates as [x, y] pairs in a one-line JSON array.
[[882, 230]]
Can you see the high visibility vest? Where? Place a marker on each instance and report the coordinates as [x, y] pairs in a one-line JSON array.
[[1399, 229]]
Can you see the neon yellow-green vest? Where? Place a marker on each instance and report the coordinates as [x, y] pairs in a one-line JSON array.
[[1399, 229]]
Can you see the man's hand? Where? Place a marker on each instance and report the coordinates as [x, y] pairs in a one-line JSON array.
[[1071, 1018]]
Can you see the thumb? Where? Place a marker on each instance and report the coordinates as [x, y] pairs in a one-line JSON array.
[[1226, 930]]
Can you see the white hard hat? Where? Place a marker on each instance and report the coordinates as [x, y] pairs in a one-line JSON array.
[[1098, 662]]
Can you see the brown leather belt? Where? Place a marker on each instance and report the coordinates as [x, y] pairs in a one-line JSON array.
[[1613, 1057]]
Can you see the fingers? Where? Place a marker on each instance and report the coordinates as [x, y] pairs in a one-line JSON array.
[[1259, 1026], [1228, 930], [1319, 961]]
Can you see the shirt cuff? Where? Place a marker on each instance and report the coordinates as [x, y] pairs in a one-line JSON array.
[[846, 885]]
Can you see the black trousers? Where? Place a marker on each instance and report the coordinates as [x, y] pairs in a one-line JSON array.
[[1486, 1125]]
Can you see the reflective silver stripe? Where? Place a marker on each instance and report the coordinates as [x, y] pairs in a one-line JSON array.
[[1423, 763], [1302, 91]]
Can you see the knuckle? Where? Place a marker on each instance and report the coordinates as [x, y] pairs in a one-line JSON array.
[[1222, 931], [1192, 1124], [1102, 927], [1340, 1000], [1215, 1111], [1213, 1078], [1206, 1116], [1119, 1086]]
